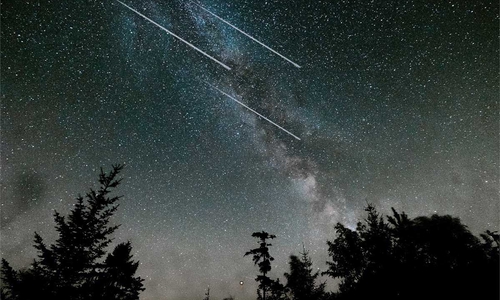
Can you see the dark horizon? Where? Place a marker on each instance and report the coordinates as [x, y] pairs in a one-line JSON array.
[[391, 257]]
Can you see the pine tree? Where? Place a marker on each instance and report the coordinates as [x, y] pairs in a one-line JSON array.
[[301, 281], [262, 258], [10, 288], [72, 267], [207, 294]]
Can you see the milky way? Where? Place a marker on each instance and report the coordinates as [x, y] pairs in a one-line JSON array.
[[395, 104]]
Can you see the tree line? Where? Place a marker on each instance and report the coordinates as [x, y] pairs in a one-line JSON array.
[[395, 257], [391, 257]]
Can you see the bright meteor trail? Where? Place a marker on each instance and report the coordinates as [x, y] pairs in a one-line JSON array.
[[176, 36], [251, 37], [242, 104]]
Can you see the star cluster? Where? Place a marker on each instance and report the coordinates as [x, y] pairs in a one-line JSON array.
[[395, 103]]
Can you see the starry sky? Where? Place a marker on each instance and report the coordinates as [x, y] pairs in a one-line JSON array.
[[395, 104]]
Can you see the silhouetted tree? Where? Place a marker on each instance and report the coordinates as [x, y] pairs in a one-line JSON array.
[[24, 284], [207, 294], [348, 262], [490, 247], [427, 257], [277, 291], [10, 288], [301, 281], [117, 280], [72, 267], [262, 258]]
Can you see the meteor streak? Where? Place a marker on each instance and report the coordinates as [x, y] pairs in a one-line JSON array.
[[242, 104], [176, 36], [251, 37]]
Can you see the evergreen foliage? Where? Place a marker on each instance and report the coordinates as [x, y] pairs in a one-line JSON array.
[[262, 258], [73, 267], [301, 281], [433, 257]]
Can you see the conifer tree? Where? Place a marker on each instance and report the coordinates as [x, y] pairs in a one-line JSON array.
[[301, 281], [207, 294], [262, 258], [432, 257], [117, 280], [73, 267]]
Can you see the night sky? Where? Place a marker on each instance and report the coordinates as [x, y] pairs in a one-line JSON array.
[[395, 103]]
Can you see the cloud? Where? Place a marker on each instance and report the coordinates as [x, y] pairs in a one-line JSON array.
[[29, 189]]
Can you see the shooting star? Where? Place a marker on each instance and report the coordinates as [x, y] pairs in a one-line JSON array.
[[251, 37], [176, 36], [243, 104]]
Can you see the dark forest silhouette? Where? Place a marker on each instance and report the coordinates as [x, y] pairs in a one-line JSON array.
[[301, 280], [395, 257], [433, 257], [74, 266]]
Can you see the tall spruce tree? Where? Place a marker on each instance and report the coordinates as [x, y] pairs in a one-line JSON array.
[[262, 258], [207, 294], [73, 267], [301, 281]]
